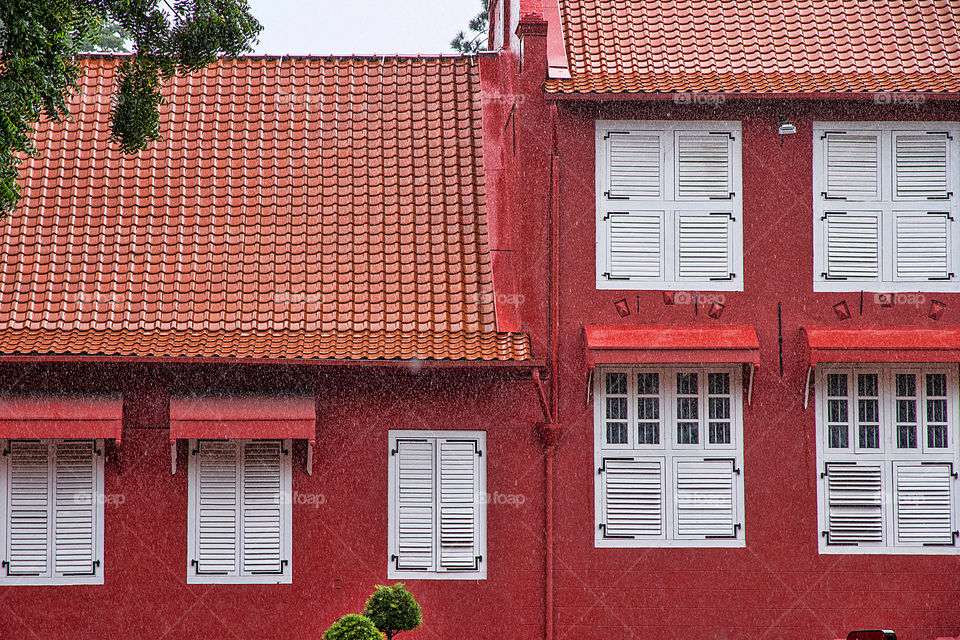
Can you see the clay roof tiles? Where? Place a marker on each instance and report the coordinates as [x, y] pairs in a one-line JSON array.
[[296, 207], [760, 46]]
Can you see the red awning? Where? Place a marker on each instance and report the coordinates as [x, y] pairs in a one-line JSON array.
[[61, 416], [883, 344], [671, 344], [219, 417]]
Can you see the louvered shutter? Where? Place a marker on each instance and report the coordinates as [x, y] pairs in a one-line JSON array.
[[459, 504], [854, 503], [703, 246], [415, 504], [852, 166], [704, 161], [75, 505], [636, 244], [218, 517], [922, 246], [853, 245], [28, 512], [924, 503], [262, 517], [920, 170], [706, 498], [634, 162], [633, 498]]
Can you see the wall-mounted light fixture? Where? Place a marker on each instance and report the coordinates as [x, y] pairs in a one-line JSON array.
[[785, 128]]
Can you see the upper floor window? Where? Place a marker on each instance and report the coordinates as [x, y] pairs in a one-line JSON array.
[[669, 453], [437, 505], [51, 497], [239, 521], [887, 453], [669, 205], [885, 206]]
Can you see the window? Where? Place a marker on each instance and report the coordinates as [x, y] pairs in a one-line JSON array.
[[887, 458], [669, 452], [437, 507], [52, 505], [239, 511], [669, 205], [885, 206]]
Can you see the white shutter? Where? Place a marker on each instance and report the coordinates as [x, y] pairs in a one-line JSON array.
[[704, 162], [706, 498], [920, 165], [415, 504], [75, 508], [854, 496], [924, 503], [853, 244], [636, 244], [28, 512], [633, 498], [217, 506], [853, 166], [703, 246], [458, 502], [634, 165], [262, 494], [922, 241]]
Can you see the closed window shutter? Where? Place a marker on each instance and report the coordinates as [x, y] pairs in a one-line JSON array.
[[706, 499], [634, 164], [853, 245], [704, 162], [28, 514], [704, 246], [262, 539], [922, 241], [217, 507], [924, 503], [633, 498], [636, 244], [854, 503], [415, 504], [853, 166], [75, 504], [459, 505], [921, 165]]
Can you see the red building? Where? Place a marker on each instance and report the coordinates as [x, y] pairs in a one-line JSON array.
[[642, 326]]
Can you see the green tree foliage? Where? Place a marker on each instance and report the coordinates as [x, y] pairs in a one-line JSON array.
[[393, 609], [39, 40], [472, 40], [352, 626]]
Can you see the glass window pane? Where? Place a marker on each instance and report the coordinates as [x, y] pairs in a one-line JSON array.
[[718, 384], [837, 384], [719, 408], [648, 384], [617, 383], [867, 385], [719, 433], [837, 410], [616, 433], [687, 384], [837, 436], [936, 384], [869, 436], [687, 409], [616, 408], [648, 433], [907, 436], [937, 436], [869, 411], [906, 384], [688, 433]]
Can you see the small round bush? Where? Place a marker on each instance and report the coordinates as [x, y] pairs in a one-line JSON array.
[[393, 609], [352, 626]]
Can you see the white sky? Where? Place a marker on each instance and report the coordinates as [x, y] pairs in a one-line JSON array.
[[344, 27]]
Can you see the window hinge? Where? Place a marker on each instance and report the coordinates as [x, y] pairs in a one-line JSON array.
[[723, 133], [615, 133], [732, 461], [828, 133], [944, 197], [729, 196], [824, 195], [603, 465], [826, 276], [826, 468], [730, 276], [949, 276], [730, 537], [826, 534], [6, 565], [283, 563], [92, 572], [196, 563], [952, 543], [476, 446], [394, 452], [607, 536], [723, 213], [607, 275], [953, 474], [96, 451], [940, 133], [613, 197]]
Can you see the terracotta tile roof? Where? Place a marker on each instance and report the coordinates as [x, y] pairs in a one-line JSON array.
[[305, 207], [776, 46]]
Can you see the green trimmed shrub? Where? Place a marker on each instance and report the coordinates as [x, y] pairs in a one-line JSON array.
[[393, 609], [352, 626]]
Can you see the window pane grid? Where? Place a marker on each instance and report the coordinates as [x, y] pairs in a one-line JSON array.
[[868, 411], [936, 387], [718, 408], [838, 405], [648, 408], [688, 408], [615, 410], [905, 405]]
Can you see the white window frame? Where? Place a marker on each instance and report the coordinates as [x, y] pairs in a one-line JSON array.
[[669, 205], [666, 451], [888, 455], [435, 573], [888, 205], [51, 577], [239, 576]]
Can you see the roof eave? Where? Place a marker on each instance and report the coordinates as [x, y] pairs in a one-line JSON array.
[[676, 96]]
